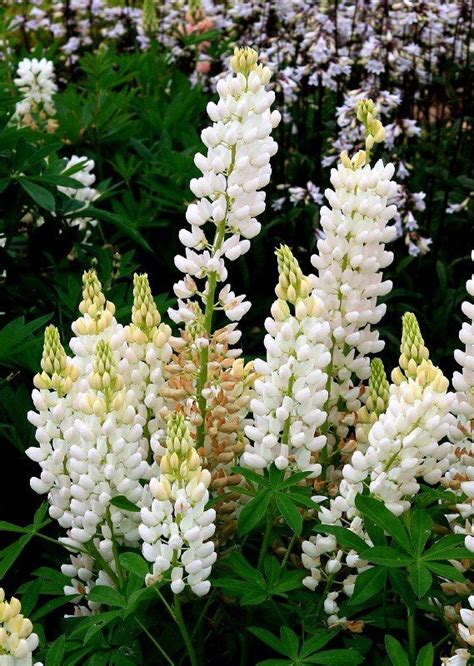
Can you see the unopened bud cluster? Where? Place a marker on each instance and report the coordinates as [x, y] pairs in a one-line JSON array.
[[17, 640]]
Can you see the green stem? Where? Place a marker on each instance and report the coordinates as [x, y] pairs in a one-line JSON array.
[[411, 626], [100, 561], [60, 543], [266, 539], [184, 632], [115, 550], [166, 604], [202, 615], [209, 312], [288, 551], [326, 591], [154, 641]]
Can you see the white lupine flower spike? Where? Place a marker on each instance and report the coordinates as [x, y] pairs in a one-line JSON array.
[[36, 82], [291, 391], [177, 529], [350, 260], [460, 476]]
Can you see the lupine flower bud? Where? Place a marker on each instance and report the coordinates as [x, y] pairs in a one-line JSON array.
[[292, 284], [412, 348], [366, 114], [377, 400], [145, 315], [98, 312], [244, 60], [58, 372]]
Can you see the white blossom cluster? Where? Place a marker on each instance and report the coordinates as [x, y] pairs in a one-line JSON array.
[[36, 82], [234, 171], [92, 424], [405, 442], [460, 476], [17, 640], [324, 560], [84, 195], [349, 263], [176, 529], [291, 393]]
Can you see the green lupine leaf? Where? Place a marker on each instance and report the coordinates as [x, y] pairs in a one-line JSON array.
[[122, 502], [385, 519], [56, 652], [420, 579], [396, 652], [421, 527], [39, 194], [386, 556], [425, 655], [368, 584], [290, 512], [254, 512]]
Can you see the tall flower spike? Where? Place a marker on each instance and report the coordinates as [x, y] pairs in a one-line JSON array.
[[234, 170], [58, 372], [405, 441], [176, 529], [412, 349], [460, 477], [350, 260], [17, 640], [377, 400], [229, 194], [36, 82], [291, 393]]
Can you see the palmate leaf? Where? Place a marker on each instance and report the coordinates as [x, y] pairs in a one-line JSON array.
[[368, 584], [289, 512], [420, 527], [450, 547], [420, 579], [384, 519], [254, 512], [386, 556]]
